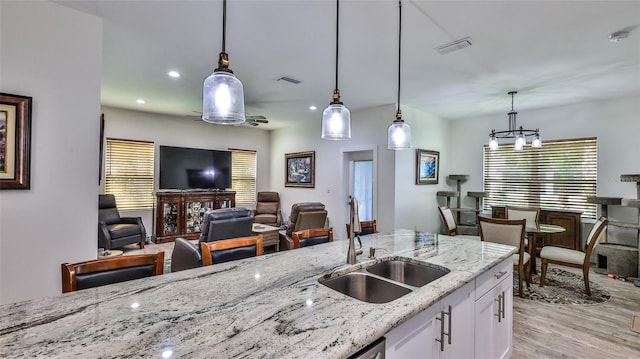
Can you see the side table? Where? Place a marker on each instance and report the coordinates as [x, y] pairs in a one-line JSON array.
[[109, 253], [269, 235]]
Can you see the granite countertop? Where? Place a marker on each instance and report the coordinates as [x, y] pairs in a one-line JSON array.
[[270, 306]]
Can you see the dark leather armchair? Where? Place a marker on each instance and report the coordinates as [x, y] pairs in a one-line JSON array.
[[268, 209], [94, 273], [218, 224], [115, 231], [306, 215]]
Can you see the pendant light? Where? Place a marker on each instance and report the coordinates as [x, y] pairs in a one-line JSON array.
[[518, 133], [223, 95], [399, 132], [336, 118]]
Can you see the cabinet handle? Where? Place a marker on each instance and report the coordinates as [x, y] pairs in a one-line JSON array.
[[503, 300], [500, 306], [500, 274], [449, 333], [441, 340]]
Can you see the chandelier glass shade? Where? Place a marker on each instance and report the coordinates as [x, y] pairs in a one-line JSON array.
[[336, 118], [519, 134], [399, 132], [223, 94]]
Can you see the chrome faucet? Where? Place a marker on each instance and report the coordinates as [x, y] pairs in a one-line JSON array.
[[352, 252]]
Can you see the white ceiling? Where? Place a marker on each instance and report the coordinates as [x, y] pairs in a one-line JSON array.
[[552, 52]]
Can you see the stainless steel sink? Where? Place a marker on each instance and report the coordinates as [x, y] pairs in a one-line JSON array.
[[365, 287], [415, 275]]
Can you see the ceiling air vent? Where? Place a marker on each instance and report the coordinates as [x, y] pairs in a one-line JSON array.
[[454, 46], [289, 79]]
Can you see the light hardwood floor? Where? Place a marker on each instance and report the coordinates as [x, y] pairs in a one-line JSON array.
[[579, 331], [542, 330]]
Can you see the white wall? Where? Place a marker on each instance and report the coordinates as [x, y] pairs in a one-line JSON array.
[[186, 132], [614, 122], [43, 55], [401, 203]]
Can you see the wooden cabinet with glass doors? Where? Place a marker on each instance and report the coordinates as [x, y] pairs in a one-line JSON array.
[[180, 213]]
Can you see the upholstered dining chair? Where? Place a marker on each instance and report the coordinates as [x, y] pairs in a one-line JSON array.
[[573, 258], [311, 237], [227, 250], [510, 232], [94, 273], [532, 216], [368, 227], [448, 220]]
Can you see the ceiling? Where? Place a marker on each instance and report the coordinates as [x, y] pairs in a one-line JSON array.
[[552, 52]]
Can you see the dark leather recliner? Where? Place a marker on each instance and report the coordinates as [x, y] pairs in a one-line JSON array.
[[305, 215], [115, 231], [268, 209], [223, 223]]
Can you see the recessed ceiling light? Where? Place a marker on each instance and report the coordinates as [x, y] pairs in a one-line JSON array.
[[174, 74], [619, 35], [312, 108], [140, 101]]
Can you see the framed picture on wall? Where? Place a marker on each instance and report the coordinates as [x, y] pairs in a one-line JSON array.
[[300, 169], [15, 141], [427, 165]]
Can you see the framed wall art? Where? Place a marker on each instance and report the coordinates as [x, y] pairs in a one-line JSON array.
[[427, 166], [300, 169], [15, 141]]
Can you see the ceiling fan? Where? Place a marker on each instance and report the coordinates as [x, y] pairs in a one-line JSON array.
[[250, 120]]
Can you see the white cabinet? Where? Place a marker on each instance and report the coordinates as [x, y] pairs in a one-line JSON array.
[[494, 314], [444, 330], [475, 321]]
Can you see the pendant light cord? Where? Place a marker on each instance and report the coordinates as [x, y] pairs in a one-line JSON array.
[[224, 25], [337, 30], [399, 46]]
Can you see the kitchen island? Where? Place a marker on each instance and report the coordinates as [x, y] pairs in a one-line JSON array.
[[270, 306]]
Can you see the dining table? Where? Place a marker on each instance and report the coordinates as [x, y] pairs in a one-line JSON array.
[[536, 232]]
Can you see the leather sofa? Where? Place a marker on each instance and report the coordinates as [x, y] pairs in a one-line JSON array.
[[217, 224], [305, 215]]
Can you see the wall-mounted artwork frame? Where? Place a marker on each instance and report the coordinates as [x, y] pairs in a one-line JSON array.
[[300, 169], [15, 141], [427, 166]]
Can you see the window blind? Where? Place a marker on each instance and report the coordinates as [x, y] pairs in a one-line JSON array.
[[243, 176], [129, 173], [560, 175]]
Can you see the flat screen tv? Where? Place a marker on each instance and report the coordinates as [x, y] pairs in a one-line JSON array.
[[192, 168]]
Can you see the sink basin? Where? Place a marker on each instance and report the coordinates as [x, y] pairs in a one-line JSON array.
[[366, 288], [412, 274]]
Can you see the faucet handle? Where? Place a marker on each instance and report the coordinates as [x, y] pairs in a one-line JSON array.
[[372, 252]]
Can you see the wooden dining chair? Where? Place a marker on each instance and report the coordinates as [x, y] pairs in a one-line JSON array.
[[368, 227], [311, 237], [448, 220], [226, 250], [98, 272], [573, 258], [510, 232], [532, 216]]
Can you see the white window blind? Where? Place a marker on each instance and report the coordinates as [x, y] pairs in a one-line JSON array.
[[129, 173], [560, 175], [243, 176]]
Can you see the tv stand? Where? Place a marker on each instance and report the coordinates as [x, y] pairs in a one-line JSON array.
[[179, 213]]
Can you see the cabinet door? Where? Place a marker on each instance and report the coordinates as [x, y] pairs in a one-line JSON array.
[[415, 338], [493, 324], [460, 307], [169, 213], [195, 210]]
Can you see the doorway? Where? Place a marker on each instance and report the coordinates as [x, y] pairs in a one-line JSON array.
[[361, 182]]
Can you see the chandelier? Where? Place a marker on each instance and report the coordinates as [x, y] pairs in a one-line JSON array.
[[518, 133]]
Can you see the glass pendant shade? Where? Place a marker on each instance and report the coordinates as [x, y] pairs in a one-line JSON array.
[[493, 143], [537, 141], [336, 122], [223, 99], [520, 142], [399, 136]]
